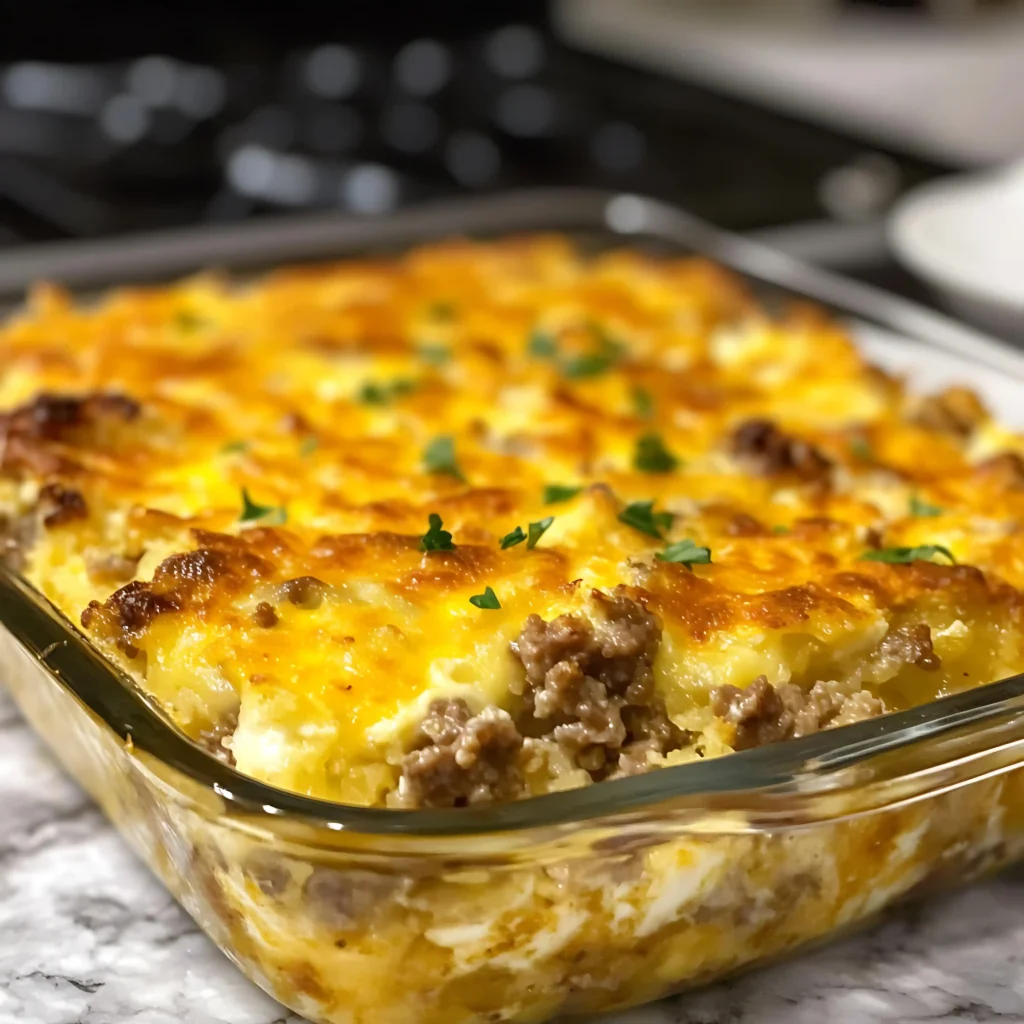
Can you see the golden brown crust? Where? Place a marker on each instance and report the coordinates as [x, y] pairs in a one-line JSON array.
[[230, 488], [41, 436]]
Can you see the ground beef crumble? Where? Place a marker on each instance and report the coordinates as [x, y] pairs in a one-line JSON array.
[[589, 689], [52, 416], [763, 713], [213, 739], [912, 645], [304, 592], [956, 411], [269, 870], [650, 731], [17, 535], [59, 505], [1005, 469], [771, 451], [30, 431], [744, 525], [460, 759], [342, 898], [265, 615], [590, 686]]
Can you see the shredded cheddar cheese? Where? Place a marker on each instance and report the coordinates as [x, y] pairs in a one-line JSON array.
[[302, 511]]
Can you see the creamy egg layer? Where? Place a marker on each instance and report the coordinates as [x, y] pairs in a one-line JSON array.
[[489, 520]]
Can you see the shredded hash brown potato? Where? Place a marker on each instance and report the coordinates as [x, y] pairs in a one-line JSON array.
[[492, 520]]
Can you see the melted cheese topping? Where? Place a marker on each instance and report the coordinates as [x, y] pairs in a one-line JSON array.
[[322, 394]]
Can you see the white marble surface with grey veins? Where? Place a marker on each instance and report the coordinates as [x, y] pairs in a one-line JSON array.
[[87, 936]]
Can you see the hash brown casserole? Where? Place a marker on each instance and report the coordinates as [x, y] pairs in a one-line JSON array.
[[490, 520]]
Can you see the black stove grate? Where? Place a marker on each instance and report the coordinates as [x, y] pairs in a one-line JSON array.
[[256, 121]]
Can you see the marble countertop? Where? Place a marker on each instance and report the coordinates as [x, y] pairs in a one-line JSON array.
[[88, 936]]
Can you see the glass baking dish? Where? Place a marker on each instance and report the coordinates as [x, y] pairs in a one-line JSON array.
[[572, 903]]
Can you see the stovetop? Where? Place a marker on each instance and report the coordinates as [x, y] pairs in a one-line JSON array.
[[168, 121]]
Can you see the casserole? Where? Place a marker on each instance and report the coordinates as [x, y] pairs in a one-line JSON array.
[[571, 902]]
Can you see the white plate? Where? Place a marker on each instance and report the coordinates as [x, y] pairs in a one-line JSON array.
[[965, 237]]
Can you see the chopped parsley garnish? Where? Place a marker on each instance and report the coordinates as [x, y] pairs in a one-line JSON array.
[[235, 447], [918, 507], [685, 552], [439, 457], [309, 445], [609, 352], [510, 540], [487, 599], [268, 515], [579, 365], [605, 339], [590, 364], [555, 493], [537, 530], [442, 311], [372, 393], [779, 529], [542, 345], [901, 556], [436, 355], [436, 539], [188, 320], [860, 449], [643, 403], [641, 516], [651, 455]]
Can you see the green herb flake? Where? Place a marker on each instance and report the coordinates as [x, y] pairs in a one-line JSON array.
[[235, 447], [651, 455], [591, 364], [443, 312], [537, 530], [685, 552], [374, 393], [582, 365], [308, 446], [542, 345], [189, 320], [435, 355], [554, 494], [267, 515], [860, 449], [510, 540], [607, 344], [780, 530], [902, 556], [918, 507], [641, 516], [436, 539], [487, 599], [643, 403], [439, 457]]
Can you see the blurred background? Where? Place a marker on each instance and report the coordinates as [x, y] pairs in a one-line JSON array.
[[804, 121]]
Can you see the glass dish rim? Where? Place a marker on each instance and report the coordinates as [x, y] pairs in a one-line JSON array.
[[805, 766]]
